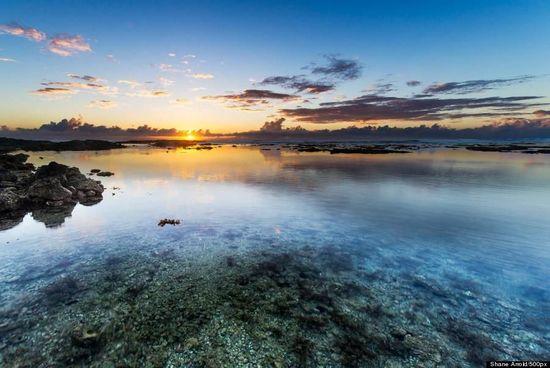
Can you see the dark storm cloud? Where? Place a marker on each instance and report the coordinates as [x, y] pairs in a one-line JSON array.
[[375, 107], [299, 83], [473, 86], [344, 69]]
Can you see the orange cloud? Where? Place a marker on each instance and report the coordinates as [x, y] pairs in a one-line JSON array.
[[30, 33], [67, 45]]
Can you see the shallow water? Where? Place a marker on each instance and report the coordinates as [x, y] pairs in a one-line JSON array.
[[435, 258]]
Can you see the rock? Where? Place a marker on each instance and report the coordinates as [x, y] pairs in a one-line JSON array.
[[10, 144], [53, 216], [85, 338], [105, 173], [168, 222], [54, 185], [8, 200], [49, 189], [191, 343], [95, 171]]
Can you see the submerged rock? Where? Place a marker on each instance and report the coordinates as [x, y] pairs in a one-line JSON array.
[[168, 222], [50, 192], [105, 173]]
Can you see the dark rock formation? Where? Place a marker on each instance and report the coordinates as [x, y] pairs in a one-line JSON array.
[[165, 221], [529, 148], [105, 173], [10, 144], [50, 192]]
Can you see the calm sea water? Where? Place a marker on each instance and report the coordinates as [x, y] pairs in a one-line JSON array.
[[438, 257]]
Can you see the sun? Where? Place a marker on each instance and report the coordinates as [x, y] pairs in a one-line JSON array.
[[190, 137]]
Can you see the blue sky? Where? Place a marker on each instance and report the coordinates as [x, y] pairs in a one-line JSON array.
[[238, 44]]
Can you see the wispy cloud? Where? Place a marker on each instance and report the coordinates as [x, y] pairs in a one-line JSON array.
[[87, 78], [67, 45], [146, 93], [299, 83], [202, 76], [53, 91], [7, 60], [473, 86], [180, 102], [130, 83], [170, 68], [30, 33], [165, 82], [380, 88], [413, 83], [172, 54], [251, 97], [92, 87], [102, 104], [111, 58], [336, 67]]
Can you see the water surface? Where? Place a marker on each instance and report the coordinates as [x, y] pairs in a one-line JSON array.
[[284, 259]]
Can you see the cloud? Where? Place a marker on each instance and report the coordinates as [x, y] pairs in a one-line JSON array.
[[74, 128], [252, 97], [92, 87], [111, 58], [180, 101], [30, 33], [67, 45], [131, 83], [53, 91], [87, 78], [169, 68], [344, 69], [165, 82], [542, 113], [202, 76], [370, 108], [299, 83], [380, 88], [510, 128], [7, 60], [273, 126], [172, 54], [413, 83], [473, 86], [146, 93], [102, 104]]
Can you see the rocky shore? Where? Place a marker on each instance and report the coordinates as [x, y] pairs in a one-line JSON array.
[[49, 192], [11, 144]]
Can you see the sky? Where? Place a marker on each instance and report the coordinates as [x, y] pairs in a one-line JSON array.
[[230, 66]]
